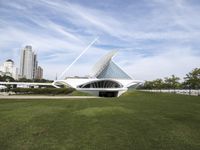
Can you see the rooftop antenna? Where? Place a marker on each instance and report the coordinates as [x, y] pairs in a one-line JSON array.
[[78, 57]]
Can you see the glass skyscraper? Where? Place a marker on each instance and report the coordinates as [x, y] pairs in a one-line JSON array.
[[28, 63]]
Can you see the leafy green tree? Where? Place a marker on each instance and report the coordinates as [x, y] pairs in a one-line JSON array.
[[192, 79], [148, 85], [172, 82], [158, 84], [6, 79]]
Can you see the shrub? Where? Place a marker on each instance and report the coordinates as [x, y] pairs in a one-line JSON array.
[[51, 91]]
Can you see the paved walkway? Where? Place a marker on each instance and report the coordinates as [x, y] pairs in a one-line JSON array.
[[44, 97]]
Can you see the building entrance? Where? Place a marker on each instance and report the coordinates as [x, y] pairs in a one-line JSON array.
[[108, 94]]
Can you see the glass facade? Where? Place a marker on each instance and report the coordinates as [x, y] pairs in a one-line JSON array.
[[113, 71]]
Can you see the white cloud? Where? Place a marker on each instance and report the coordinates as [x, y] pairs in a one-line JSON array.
[[170, 62]]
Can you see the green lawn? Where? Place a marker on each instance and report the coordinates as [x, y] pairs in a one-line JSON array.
[[134, 121]]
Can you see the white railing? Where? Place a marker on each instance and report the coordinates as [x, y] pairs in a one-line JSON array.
[[177, 91]]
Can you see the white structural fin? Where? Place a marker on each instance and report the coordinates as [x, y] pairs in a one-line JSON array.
[[106, 68], [101, 64]]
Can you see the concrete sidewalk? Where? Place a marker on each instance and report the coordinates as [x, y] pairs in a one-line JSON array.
[[44, 97]]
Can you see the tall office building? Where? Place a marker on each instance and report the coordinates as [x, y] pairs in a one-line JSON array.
[[28, 63]]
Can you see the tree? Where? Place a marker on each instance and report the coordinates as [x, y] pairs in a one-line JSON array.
[[34, 80], [158, 84], [192, 79], [25, 80], [155, 84], [148, 85], [6, 79], [172, 82]]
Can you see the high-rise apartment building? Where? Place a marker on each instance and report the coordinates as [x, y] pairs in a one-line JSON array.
[[39, 74], [35, 66], [28, 63], [8, 68]]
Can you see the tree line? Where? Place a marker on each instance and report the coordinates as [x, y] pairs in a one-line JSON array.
[[5, 78], [191, 81]]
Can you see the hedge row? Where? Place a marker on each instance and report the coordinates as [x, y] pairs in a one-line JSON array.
[[52, 91]]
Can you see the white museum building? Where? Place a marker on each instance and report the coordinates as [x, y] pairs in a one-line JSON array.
[[106, 79]]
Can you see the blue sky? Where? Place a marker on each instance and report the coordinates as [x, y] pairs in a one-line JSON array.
[[154, 38]]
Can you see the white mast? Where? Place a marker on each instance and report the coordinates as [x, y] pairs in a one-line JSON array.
[[78, 57]]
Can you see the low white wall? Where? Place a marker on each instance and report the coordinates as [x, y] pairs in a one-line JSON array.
[[177, 91]]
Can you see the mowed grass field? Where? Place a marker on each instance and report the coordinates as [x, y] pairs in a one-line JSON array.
[[135, 121]]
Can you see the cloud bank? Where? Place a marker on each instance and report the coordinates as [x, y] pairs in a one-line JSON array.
[[155, 38]]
